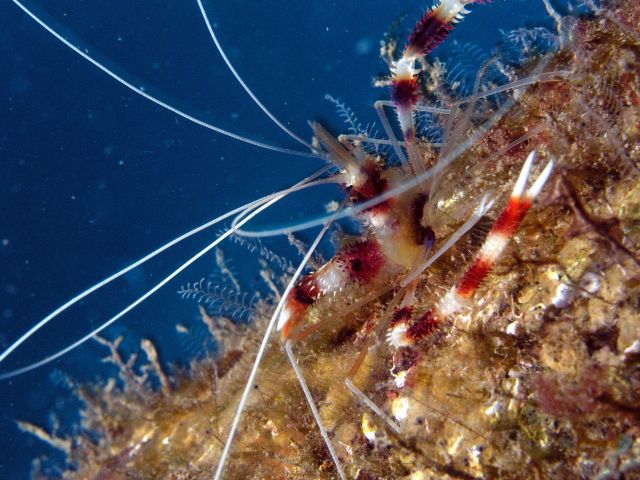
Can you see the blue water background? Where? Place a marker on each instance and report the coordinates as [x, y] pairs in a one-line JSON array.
[[94, 176]]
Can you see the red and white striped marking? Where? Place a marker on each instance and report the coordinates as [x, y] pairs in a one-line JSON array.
[[358, 263], [429, 32], [404, 334]]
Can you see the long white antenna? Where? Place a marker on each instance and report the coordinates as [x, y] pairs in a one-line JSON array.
[[137, 302], [314, 409], [157, 101], [242, 82], [263, 347], [265, 202]]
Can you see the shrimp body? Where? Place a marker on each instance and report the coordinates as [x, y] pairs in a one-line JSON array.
[[396, 237], [395, 240]]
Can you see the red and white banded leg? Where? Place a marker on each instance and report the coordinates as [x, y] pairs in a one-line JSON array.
[[403, 333], [429, 32]]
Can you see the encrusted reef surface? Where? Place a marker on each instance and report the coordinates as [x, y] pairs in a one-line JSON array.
[[539, 378]]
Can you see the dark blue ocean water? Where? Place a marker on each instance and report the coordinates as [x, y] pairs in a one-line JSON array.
[[94, 176]]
